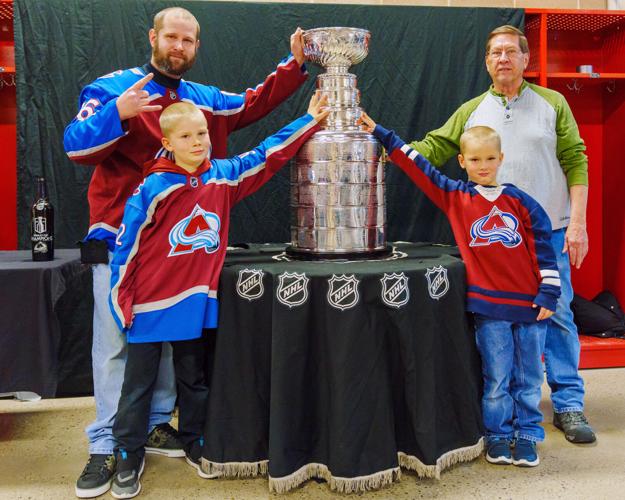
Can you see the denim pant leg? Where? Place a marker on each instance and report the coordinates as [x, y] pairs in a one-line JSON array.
[[108, 356], [131, 422], [562, 342], [496, 346], [527, 379], [189, 360]]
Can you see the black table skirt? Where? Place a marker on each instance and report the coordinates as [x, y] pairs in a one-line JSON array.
[[348, 392], [46, 311]]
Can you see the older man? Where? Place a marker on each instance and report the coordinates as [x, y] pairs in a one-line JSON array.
[[117, 130], [544, 156]]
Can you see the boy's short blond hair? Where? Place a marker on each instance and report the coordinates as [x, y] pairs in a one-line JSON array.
[[479, 134], [173, 113]]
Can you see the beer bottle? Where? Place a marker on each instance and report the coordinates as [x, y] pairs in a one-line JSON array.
[[42, 224]]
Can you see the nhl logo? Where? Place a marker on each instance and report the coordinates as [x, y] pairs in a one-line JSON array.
[[438, 284], [250, 284], [172, 95], [343, 291], [395, 291], [292, 289]]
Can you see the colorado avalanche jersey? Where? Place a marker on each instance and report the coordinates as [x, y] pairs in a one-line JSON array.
[[96, 136], [502, 233], [172, 241]]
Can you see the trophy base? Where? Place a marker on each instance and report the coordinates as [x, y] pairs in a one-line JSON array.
[[299, 254]]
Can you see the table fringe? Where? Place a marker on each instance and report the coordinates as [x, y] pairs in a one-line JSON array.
[[344, 484], [235, 469], [444, 461], [340, 484]]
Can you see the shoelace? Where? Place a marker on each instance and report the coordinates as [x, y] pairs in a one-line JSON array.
[[95, 465]]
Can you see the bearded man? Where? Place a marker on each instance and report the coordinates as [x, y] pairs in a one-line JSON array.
[[117, 129]]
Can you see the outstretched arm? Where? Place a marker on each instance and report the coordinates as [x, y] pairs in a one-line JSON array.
[[249, 171], [432, 182], [254, 103]]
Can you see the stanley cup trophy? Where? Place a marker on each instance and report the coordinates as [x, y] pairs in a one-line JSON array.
[[337, 180]]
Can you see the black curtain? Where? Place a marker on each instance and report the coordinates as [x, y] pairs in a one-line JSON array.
[[423, 63]]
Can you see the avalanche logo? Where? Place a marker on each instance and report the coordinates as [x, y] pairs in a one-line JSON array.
[[496, 227], [198, 230]]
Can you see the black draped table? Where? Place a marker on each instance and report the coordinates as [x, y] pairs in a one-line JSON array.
[[45, 324], [344, 371]]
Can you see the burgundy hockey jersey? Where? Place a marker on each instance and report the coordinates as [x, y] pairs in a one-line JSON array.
[[504, 237], [172, 241]]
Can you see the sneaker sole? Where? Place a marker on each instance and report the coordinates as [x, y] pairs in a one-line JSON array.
[[167, 453], [498, 460], [199, 470], [94, 492], [131, 495], [523, 462]]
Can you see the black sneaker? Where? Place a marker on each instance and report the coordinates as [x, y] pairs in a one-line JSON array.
[[193, 456], [163, 440], [96, 477], [575, 427], [126, 483]]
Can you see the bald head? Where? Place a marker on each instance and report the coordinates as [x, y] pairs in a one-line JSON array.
[[175, 13]]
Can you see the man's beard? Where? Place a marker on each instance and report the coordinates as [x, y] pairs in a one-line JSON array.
[[164, 63]]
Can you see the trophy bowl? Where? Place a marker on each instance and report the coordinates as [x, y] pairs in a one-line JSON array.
[[336, 47]]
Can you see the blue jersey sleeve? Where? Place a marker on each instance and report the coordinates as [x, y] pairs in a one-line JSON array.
[[94, 132], [249, 171]]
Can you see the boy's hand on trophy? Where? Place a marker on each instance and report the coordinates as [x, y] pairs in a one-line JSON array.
[[365, 122], [318, 106], [297, 45]]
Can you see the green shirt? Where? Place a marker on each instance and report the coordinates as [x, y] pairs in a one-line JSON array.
[[543, 151]]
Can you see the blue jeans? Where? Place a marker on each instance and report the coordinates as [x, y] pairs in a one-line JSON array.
[[562, 343], [513, 374], [108, 357]]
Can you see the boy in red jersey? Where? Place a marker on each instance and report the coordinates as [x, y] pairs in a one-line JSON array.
[[169, 253], [512, 282]]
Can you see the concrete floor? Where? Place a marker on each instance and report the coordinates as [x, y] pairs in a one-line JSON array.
[[43, 450]]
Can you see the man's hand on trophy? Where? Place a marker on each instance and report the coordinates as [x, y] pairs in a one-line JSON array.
[[134, 100], [297, 45], [318, 106], [365, 122]]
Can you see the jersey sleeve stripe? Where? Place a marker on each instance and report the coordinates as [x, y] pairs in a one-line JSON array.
[[172, 301], [102, 225], [551, 281], [94, 149], [549, 273]]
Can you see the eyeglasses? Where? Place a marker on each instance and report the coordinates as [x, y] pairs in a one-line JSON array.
[[510, 53]]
